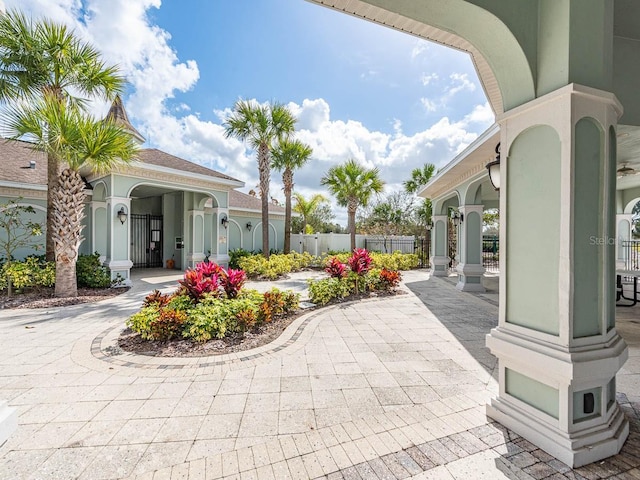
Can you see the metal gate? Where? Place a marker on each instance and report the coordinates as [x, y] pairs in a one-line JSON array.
[[490, 253], [146, 240], [417, 245]]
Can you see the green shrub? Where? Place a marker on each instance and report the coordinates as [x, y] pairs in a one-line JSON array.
[[323, 291], [90, 273], [277, 303], [217, 318], [32, 272], [236, 255], [140, 322]]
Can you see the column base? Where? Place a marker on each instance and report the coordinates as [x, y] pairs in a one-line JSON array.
[[222, 260], [576, 449], [532, 370], [8, 421], [194, 258], [121, 268], [470, 277], [440, 266]]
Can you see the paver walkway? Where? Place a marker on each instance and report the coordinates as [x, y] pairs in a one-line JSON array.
[[388, 388]]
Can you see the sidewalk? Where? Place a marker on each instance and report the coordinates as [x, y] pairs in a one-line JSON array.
[[387, 388]]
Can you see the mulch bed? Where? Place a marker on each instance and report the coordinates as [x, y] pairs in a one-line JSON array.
[[131, 342], [44, 298]]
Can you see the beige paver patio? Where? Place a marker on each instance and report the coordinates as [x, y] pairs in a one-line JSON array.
[[392, 387]]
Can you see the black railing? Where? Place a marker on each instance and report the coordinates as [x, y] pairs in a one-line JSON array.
[[491, 253], [419, 246], [631, 254]]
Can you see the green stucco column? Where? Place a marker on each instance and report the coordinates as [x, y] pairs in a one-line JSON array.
[[99, 229], [195, 246], [624, 225], [556, 342], [439, 258], [118, 235], [220, 237], [469, 268]]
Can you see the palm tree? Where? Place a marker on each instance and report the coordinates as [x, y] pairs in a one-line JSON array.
[[352, 184], [261, 126], [419, 177], [78, 140], [307, 208], [39, 58], [288, 156]]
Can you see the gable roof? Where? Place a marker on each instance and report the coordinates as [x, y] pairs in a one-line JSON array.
[[239, 200], [153, 156], [16, 155]]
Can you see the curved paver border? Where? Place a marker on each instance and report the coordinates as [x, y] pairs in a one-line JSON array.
[[287, 340]]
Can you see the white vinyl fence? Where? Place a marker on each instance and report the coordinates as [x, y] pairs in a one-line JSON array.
[[321, 243]]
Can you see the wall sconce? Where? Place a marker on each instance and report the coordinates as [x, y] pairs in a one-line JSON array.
[[249, 226], [494, 169], [429, 226], [224, 220], [457, 217], [122, 215]]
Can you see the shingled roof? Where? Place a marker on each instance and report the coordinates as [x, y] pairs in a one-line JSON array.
[[153, 156], [16, 155], [118, 114], [248, 202], [15, 161]]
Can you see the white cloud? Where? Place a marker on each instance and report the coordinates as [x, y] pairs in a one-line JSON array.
[[419, 48], [427, 79], [459, 82], [429, 105]]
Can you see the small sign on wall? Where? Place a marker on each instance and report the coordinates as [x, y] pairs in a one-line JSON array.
[[222, 239]]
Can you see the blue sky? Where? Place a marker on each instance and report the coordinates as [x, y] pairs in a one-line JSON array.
[[359, 90]]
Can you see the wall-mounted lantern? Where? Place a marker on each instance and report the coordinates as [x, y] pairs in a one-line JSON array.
[[224, 220], [429, 225], [122, 215], [494, 169], [249, 226], [457, 217]]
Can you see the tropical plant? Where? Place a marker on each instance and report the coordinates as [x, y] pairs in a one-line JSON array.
[[79, 141], [261, 126], [91, 273], [289, 155], [18, 231], [335, 268], [41, 59], [353, 185], [419, 177], [307, 208]]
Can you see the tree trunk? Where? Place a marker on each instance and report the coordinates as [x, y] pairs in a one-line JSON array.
[[287, 180], [53, 172], [352, 226], [68, 212], [264, 171]]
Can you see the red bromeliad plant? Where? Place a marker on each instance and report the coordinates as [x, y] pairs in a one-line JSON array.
[[232, 281], [335, 268], [196, 284], [209, 269], [360, 261]]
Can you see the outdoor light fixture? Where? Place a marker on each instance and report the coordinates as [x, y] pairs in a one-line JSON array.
[[122, 215], [224, 221], [429, 226], [249, 226], [494, 169], [457, 217]]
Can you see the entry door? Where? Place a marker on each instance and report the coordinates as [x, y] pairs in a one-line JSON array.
[[146, 241]]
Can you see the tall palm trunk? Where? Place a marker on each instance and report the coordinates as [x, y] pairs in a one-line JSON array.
[[68, 212], [351, 214], [287, 180], [53, 173], [264, 171]]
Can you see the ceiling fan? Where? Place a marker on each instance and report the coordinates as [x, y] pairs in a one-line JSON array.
[[626, 170]]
